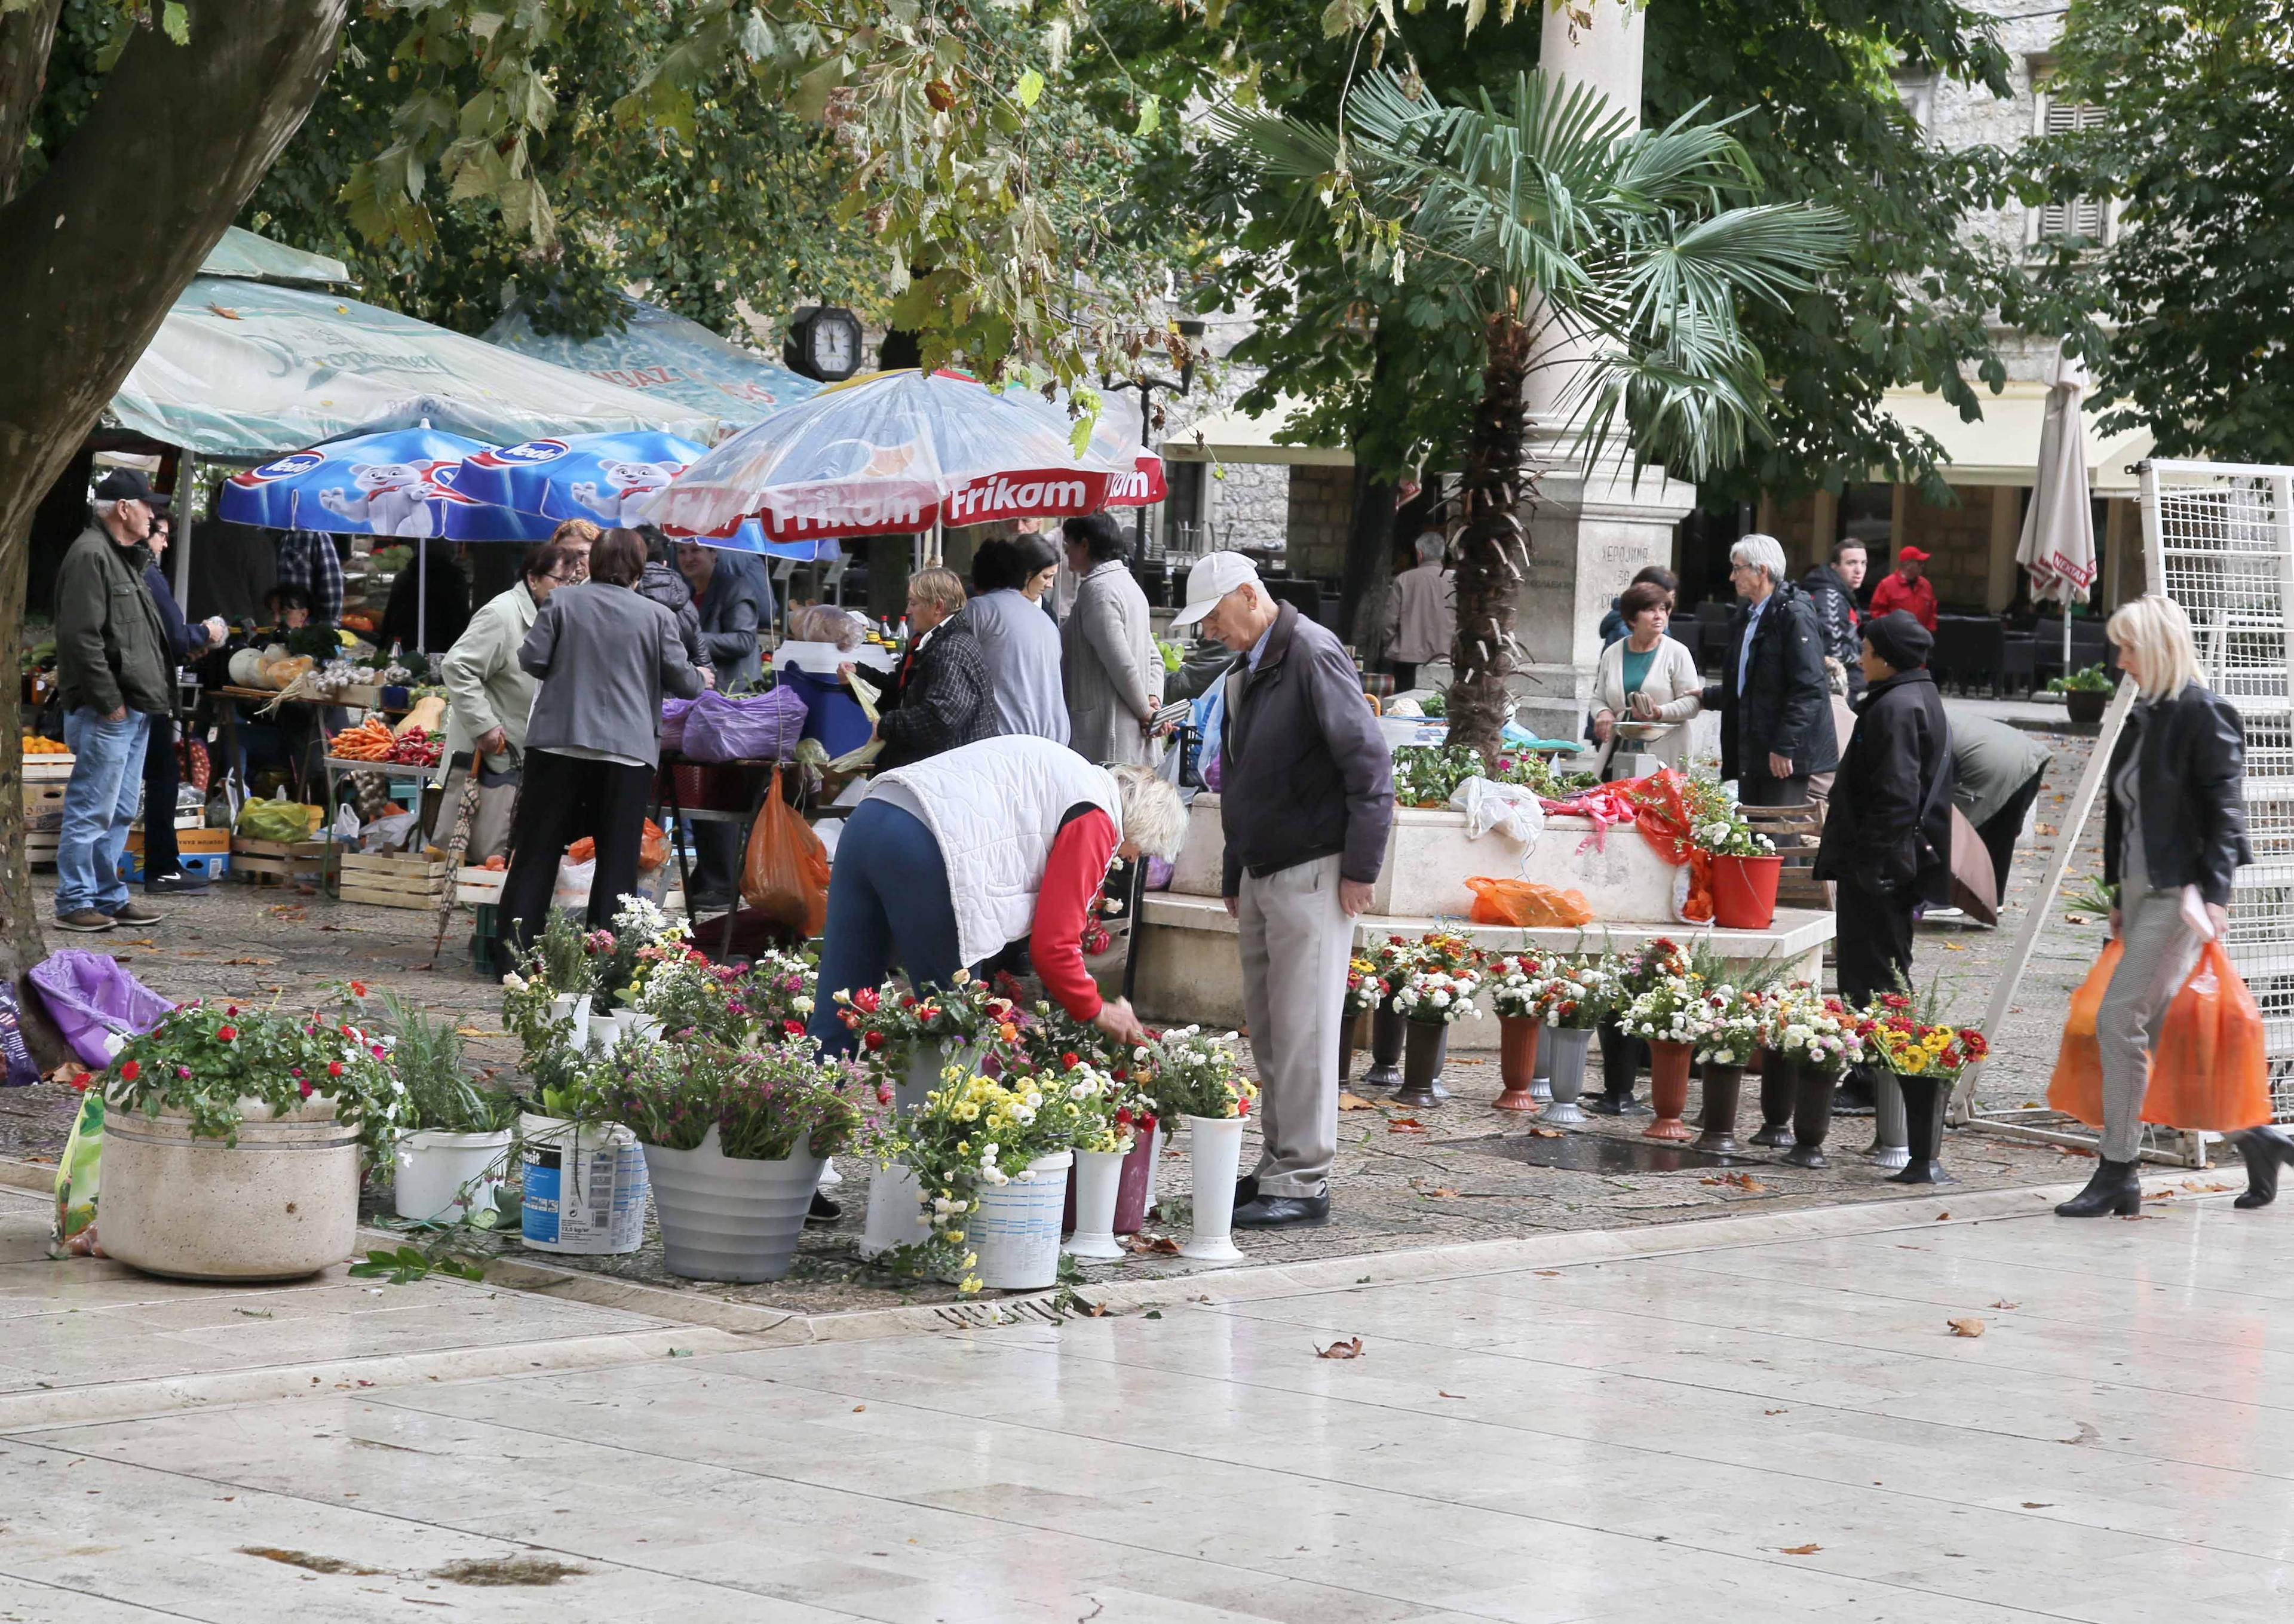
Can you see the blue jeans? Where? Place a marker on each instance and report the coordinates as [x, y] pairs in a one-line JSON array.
[[888, 899], [99, 803]]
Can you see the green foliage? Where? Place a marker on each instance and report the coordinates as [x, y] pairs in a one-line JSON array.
[[440, 1093], [2093, 680], [404, 1265], [2197, 144], [766, 1102]]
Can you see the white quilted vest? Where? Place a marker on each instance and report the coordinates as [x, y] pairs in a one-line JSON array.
[[995, 807]]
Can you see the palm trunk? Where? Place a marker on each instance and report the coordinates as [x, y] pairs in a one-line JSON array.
[[1491, 549], [98, 249]]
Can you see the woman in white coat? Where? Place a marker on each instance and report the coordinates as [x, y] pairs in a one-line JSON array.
[[1647, 677]]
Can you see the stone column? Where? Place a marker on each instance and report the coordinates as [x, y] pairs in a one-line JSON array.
[[1590, 527]]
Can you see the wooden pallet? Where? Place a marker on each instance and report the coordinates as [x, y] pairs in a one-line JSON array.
[[1797, 832], [391, 881], [40, 849], [277, 862]]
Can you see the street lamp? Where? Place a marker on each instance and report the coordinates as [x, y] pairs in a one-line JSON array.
[[1185, 385]]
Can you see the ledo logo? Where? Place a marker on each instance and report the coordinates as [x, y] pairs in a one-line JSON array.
[[528, 454], [286, 467]]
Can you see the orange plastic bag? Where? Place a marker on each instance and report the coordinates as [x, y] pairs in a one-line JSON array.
[[2076, 1089], [785, 875], [1524, 903], [653, 849], [2207, 1069]]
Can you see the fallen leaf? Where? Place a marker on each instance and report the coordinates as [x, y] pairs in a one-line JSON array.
[[2003, 1303], [225, 310], [2140, 1218], [145, 941], [1439, 1393], [2088, 1433], [1353, 1102], [1404, 1125], [2077, 919], [2045, 829], [1955, 948], [1141, 1246], [2159, 1195], [1349, 1349], [1545, 1133], [474, 1032], [2204, 1190], [1776, 1412], [2038, 1505], [1444, 1194], [1549, 1273], [1966, 1325], [1940, 1217], [857, 1409], [1802, 1550]]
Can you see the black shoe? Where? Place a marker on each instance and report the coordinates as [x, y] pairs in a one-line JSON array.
[[2265, 1150], [1852, 1098], [824, 1210], [1283, 1213], [2114, 1190], [177, 884], [1246, 1190]]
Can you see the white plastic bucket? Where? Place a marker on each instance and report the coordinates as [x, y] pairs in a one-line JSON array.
[[895, 1199], [585, 1192], [1016, 1232], [727, 1220], [567, 1010], [1099, 1176], [433, 1168]]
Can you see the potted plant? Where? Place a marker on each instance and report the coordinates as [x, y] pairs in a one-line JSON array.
[[1199, 1078], [234, 1138], [583, 1188], [1922, 1057], [1571, 997], [560, 960], [733, 1142], [2087, 694], [1366, 990], [1666, 1015], [1115, 1120], [1050, 1038], [1746, 867], [451, 1158], [1513, 983], [1730, 1022], [991, 1155], [1817, 1038], [1443, 975]]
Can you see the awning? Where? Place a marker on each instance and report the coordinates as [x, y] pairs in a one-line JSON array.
[[674, 360], [1236, 436], [245, 370], [2003, 448], [244, 255]]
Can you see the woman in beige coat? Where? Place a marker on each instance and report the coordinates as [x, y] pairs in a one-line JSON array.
[[1647, 677], [1109, 667]]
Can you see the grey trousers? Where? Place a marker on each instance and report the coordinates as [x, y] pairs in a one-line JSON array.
[[1295, 941], [2159, 952]]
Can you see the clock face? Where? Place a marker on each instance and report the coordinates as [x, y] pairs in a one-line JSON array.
[[834, 344]]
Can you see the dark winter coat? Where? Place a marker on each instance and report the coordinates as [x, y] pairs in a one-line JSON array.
[[1786, 708], [939, 697], [1305, 771], [1888, 822], [112, 641], [1837, 620], [2192, 782]]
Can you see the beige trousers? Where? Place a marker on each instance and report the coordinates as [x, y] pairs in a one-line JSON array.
[[1295, 941], [2160, 952]]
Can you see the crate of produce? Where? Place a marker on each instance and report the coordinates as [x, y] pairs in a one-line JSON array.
[[403, 881], [277, 862], [44, 802], [197, 838], [46, 763], [477, 884]]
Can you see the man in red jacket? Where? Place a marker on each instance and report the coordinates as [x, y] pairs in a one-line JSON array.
[[1908, 588]]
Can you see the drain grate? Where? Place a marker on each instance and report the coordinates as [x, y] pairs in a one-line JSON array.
[[984, 1315], [1600, 1153]]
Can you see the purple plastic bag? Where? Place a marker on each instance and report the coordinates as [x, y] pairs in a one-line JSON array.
[[760, 728], [672, 724], [92, 999], [16, 1068]]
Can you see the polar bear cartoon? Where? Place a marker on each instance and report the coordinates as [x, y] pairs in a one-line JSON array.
[[625, 483], [392, 498]]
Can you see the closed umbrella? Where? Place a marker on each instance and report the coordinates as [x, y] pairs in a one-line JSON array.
[[2057, 549]]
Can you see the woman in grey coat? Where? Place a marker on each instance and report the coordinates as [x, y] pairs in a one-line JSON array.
[[1020, 642], [1113, 673]]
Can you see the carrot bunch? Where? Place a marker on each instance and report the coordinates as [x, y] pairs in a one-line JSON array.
[[370, 741]]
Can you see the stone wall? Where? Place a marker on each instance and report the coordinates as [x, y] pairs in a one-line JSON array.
[[1320, 512]]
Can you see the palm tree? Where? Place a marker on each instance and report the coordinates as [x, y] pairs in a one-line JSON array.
[[1564, 222]]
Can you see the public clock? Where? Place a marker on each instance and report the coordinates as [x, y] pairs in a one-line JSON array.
[[824, 342]]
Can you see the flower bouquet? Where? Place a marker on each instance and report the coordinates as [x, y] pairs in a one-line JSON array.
[[1731, 1023], [1667, 1014], [1200, 1077], [1922, 1058], [1366, 988], [1436, 997]]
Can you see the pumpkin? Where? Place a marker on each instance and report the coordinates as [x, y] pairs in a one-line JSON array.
[[246, 668]]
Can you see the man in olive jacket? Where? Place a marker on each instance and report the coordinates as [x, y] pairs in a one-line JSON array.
[[113, 674], [1305, 799]]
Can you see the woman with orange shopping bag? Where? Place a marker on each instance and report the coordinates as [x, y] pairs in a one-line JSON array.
[[2174, 836]]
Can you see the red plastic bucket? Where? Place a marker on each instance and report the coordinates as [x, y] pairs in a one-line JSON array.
[[1745, 891]]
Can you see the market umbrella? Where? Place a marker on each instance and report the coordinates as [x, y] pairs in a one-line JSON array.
[[601, 478], [401, 484], [661, 354], [905, 451], [2057, 548]]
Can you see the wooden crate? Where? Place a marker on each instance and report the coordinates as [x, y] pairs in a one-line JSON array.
[[277, 862], [44, 805], [474, 884], [48, 769], [401, 882], [40, 850]]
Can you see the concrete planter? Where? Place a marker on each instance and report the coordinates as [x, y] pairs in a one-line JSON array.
[[280, 1204]]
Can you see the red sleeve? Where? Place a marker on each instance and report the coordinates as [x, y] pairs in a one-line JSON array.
[[1072, 878], [1884, 597]]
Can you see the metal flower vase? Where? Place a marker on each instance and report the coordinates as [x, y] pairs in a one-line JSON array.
[[1385, 1036], [1565, 1049], [1812, 1091], [1724, 1091], [1780, 1080], [1925, 1100], [1891, 1145]]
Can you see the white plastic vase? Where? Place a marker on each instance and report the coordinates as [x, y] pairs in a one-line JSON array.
[[635, 1025], [441, 1176], [572, 1012], [1016, 1229], [1098, 1177], [895, 1199], [1215, 1149]]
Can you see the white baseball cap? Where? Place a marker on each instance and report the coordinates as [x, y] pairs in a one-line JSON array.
[[1212, 578]]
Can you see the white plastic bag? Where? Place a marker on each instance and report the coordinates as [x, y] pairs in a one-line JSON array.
[[346, 824], [573, 884], [391, 833], [1510, 809]]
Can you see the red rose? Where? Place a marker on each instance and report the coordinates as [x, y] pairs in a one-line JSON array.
[[129, 1070], [795, 1029], [1069, 1057], [358, 988], [874, 1040], [225, 1034], [868, 999], [334, 1069]]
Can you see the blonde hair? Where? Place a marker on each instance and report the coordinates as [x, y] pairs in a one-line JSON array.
[[2158, 633], [1153, 819], [941, 588], [580, 533]]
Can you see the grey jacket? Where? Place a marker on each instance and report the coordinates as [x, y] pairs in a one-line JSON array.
[[739, 600], [1305, 771], [1990, 761], [1022, 647], [1114, 676], [605, 656], [111, 640], [1421, 615]]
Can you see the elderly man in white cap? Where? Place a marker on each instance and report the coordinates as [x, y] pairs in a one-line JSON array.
[[1305, 799]]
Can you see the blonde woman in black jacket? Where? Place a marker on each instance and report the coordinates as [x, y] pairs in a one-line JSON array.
[[2174, 838]]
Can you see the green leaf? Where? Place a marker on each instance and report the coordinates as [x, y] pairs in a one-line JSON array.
[[1150, 116], [176, 22], [1030, 87]]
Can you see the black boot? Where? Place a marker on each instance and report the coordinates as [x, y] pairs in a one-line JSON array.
[[2113, 1190], [2265, 1150]]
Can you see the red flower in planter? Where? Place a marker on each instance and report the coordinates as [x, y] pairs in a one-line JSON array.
[[224, 1035], [358, 989], [1242, 1106], [334, 1069], [307, 1090], [1068, 1058], [867, 1000], [129, 1070], [873, 1040], [795, 1029]]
